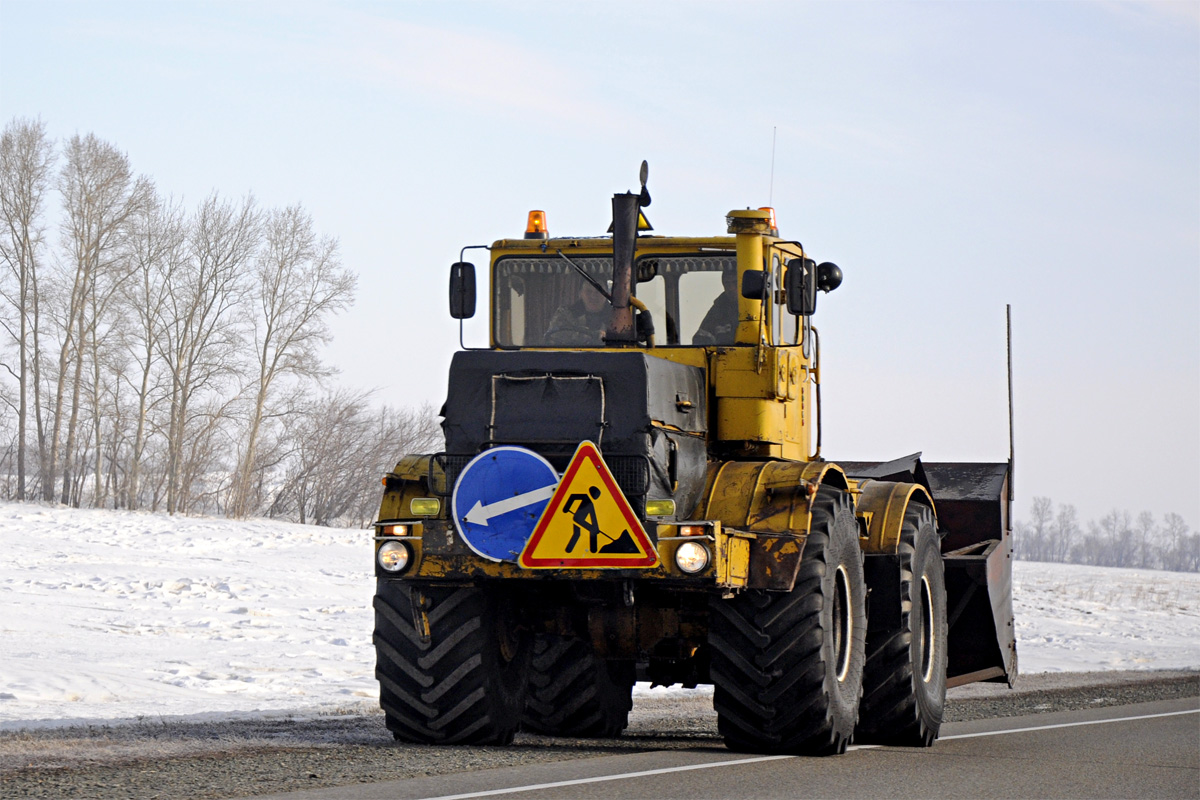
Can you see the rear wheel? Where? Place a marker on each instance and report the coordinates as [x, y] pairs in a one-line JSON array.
[[463, 682], [572, 692], [787, 666], [904, 686]]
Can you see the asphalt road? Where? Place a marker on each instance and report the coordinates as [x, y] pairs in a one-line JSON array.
[[1147, 750]]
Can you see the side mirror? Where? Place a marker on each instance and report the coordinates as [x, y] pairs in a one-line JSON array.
[[462, 290], [753, 283], [801, 286]]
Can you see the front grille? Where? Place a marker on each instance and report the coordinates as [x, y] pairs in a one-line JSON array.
[[631, 472], [452, 467]]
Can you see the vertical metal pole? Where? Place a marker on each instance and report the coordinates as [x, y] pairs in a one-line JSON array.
[[1011, 452]]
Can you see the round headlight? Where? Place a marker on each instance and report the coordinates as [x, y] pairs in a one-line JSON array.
[[691, 557], [393, 556]]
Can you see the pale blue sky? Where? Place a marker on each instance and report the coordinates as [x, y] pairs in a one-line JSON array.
[[951, 157]]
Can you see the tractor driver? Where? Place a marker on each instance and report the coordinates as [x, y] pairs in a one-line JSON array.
[[582, 323], [719, 325]]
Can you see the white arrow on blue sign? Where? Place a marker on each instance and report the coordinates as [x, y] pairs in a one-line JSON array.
[[499, 498]]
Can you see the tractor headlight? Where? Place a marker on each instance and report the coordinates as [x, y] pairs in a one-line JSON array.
[[393, 556], [691, 557]]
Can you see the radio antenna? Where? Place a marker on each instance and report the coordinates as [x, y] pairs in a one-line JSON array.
[[771, 193]]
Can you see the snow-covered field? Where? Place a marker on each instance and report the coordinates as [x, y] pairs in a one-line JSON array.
[[115, 615]]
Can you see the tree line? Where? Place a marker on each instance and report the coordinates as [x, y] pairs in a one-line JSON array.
[[164, 357], [1116, 540]]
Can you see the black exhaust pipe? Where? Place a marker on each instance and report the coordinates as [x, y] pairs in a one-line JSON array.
[[625, 218]]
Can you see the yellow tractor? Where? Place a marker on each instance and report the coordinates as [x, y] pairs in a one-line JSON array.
[[633, 489]]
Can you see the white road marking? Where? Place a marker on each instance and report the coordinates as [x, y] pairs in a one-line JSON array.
[[759, 759], [1067, 725], [602, 778]]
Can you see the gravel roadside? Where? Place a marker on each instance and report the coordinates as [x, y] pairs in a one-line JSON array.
[[233, 759]]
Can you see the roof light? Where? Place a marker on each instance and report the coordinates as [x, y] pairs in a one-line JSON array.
[[771, 220], [536, 227], [748, 221]]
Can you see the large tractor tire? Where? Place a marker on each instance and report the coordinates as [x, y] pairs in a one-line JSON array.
[[904, 685], [572, 692], [463, 682], [787, 666]]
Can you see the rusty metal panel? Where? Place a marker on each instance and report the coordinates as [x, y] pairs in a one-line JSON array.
[[775, 561]]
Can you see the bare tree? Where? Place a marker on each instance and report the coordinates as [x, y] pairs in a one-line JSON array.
[[158, 253], [1034, 543], [100, 196], [298, 283], [1144, 533], [26, 163], [1181, 549], [1065, 532], [342, 447], [200, 332]]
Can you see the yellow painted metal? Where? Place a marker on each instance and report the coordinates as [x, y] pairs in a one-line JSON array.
[[764, 401], [765, 496], [881, 506], [751, 324], [770, 503], [406, 482], [733, 559]]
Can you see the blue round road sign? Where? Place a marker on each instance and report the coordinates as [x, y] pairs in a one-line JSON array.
[[499, 498]]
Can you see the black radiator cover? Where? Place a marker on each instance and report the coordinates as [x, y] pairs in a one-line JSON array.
[[637, 408]]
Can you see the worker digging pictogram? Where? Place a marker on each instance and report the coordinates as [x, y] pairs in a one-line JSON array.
[[588, 522], [583, 518]]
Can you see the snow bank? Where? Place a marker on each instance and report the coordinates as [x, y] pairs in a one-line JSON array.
[[121, 614], [117, 615]]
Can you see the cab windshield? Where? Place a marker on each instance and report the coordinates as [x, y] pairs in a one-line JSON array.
[[542, 301]]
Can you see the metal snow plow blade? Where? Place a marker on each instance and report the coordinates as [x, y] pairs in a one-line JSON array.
[[973, 505]]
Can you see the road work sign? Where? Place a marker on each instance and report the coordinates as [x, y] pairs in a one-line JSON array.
[[498, 499], [588, 522]]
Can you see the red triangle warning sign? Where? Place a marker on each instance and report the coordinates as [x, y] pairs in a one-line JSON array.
[[588, 523]]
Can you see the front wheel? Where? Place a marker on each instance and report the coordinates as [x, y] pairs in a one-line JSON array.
[[787, 666], [451, 662]]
